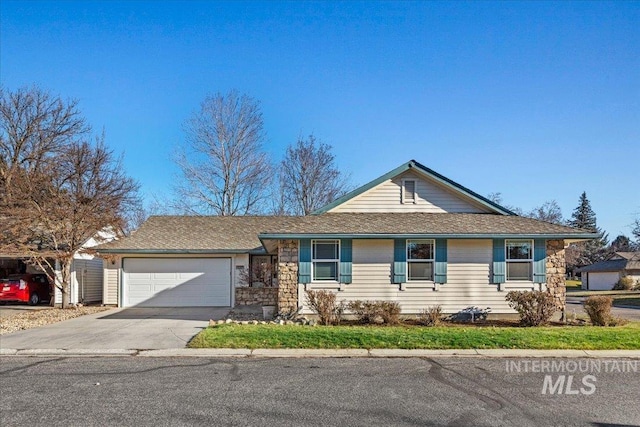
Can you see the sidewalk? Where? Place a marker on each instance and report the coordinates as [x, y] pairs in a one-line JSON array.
[[312, 353]]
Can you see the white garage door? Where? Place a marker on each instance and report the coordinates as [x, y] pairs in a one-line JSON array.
[[177, 282], [603, 281]]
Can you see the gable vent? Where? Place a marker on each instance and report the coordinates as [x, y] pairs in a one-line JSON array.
[[408, 191]]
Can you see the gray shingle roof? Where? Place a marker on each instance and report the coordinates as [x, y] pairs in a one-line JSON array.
[[241, 234], [629, 261], [421, 223], [197, 233]]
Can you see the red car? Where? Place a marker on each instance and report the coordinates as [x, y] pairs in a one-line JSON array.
[[29, 288]]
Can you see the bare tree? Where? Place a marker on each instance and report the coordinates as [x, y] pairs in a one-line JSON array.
[[34, 128], [57, 190], [497, 199], [309, 178], [549, 212], [224, 168], [84, 194]]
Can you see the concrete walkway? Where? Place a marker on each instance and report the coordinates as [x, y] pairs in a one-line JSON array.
[[130, 328]]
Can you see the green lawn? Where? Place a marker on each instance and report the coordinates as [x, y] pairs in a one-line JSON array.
[[573, 285], [625, 300], [613, 294], [416, 337]]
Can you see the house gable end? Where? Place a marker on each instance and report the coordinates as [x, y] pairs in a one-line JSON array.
[[413, 188]]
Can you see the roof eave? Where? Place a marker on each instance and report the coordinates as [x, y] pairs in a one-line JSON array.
[[284, 236], [177, 251]]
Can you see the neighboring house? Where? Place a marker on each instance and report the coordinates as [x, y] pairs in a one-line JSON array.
[[602, 275], [86, 272], [411, 236]]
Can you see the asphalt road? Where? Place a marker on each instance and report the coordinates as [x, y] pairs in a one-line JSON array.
[[310, 392]]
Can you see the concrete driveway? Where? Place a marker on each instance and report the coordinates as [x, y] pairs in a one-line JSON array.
[[129, 328]]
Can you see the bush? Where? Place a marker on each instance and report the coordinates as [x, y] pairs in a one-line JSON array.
[[390, 312], [365, 311], [323, 303], [431, 316], [373, 311], [598, 309], [534, 307], [625, 283]]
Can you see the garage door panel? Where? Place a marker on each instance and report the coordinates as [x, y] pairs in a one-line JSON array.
[[157, 282], [603, 281]]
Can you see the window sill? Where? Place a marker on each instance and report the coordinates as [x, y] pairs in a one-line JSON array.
[[323, 285], [418, 284], [521, 285]]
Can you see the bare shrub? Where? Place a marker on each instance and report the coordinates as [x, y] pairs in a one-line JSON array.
[[598, 308], [431, 316], [534, 307], [323, 303], [390, 312], [376, 311], [625, 283], [365, 311]]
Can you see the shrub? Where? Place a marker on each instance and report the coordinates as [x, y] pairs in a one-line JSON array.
[[371, 311], [365, 311], [323, 303], [534, 307], [598, 309], [390, 312], [431, 316], [625, 283]]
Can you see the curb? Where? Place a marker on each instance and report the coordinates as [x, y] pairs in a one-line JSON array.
[[321, 353], [87, 352]]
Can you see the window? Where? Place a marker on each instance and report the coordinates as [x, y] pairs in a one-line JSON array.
[[325, 256], [408, 191], [519, 259], [420, 258]]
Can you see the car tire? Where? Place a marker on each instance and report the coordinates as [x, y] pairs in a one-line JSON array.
[[34, 299]]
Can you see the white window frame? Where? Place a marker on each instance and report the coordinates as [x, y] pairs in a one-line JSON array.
[[508, 261], [431, 260], [403, 199], [314, 260]]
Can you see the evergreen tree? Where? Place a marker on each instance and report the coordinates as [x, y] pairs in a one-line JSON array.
[[583, 216], [590, 251], [636, 233], [621, 244]]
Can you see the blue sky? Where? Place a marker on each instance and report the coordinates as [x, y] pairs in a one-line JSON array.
[[536, 100]]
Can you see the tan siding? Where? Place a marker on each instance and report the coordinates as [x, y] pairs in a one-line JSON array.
[[430, 197], [111, 280], [467, 279]]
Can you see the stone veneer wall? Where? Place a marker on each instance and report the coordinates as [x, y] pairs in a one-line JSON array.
[[256, 296], [287, 276], [556, 271]]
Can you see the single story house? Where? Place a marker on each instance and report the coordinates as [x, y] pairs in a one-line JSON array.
[[411, 236], [602, 275]]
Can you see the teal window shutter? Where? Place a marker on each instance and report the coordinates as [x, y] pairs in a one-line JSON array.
[[498, 261], [440, 273], [539, 261], [345, 260], [304, 261], [399, 261]]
